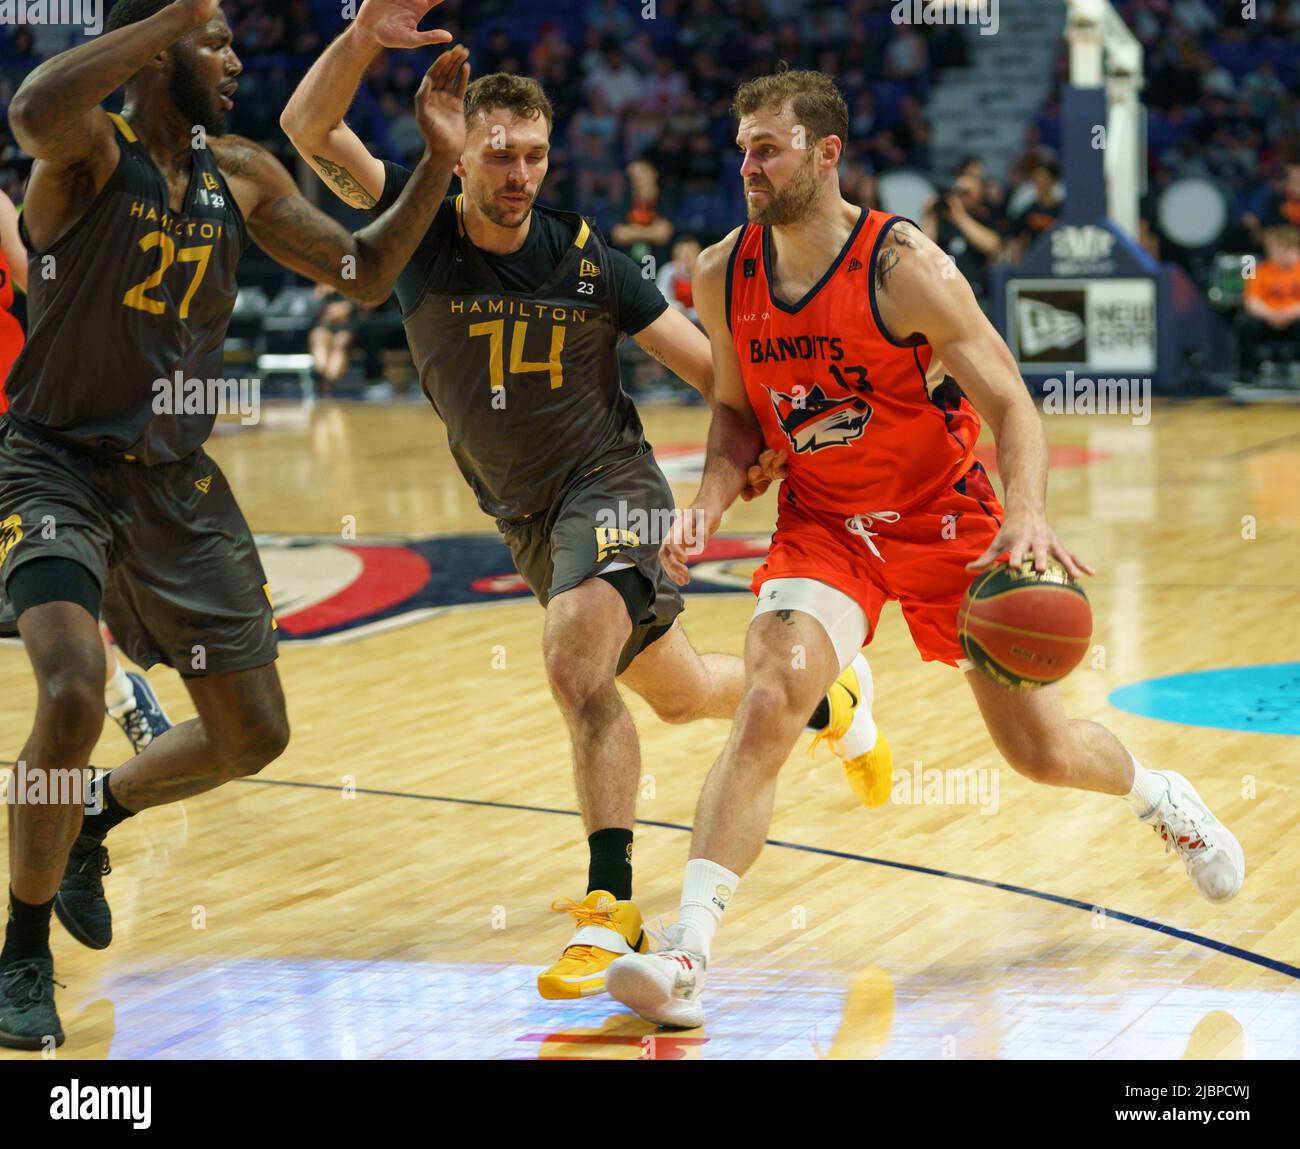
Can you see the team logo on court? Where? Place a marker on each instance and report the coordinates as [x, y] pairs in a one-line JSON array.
[[815, 420], [11, 534], [326, 589]]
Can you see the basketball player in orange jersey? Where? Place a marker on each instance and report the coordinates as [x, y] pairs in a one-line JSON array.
[[848, 340], [13, 273]]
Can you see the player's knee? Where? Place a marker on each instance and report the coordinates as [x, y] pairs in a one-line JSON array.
[[676, 710], [69, 714], [580, 680], [260, 740], [775, 701]]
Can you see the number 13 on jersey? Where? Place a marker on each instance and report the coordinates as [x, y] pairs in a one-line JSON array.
[[495, 330]]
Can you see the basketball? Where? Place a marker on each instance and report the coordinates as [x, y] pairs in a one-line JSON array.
[[1025, 628]]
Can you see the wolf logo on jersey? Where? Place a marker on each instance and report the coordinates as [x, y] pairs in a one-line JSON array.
[[816, 420]]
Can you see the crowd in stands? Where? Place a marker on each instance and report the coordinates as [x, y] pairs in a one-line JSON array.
[[644, 139]]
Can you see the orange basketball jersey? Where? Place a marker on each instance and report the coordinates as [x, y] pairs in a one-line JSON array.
[[11, 331], [869, 423]]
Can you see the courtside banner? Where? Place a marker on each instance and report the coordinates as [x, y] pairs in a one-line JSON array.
[[1083, 324]]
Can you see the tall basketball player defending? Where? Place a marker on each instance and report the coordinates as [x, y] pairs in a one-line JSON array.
[[513, 313], [834, 331], [106, 502]]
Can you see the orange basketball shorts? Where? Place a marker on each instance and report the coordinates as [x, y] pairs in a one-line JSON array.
[[917, 557]]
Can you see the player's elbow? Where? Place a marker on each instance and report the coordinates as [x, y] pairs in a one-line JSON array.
[[29, 118], [367, 292]]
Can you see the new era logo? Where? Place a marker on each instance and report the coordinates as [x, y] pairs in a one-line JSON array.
[[854, 265], [749, 268], [588, 270], [204, 483]]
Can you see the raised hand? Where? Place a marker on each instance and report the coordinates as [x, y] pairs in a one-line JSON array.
[[440, 103], [395, 23]]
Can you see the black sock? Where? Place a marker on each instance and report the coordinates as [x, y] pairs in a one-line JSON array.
[[28, 933], [111, 812], [611, 863], [821, 716]]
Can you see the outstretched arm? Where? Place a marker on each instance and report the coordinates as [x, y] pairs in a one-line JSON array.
[[363, 265], [920, 293], [313, 117]]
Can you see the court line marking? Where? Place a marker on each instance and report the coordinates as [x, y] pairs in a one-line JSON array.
[[1059, 899]]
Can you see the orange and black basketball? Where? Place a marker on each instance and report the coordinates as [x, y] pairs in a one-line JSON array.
[[1025, 628]]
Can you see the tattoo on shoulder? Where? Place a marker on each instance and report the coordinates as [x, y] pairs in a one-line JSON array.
[[904, 234], [901, 235], [236, 156], [886, 261], [347, 185]]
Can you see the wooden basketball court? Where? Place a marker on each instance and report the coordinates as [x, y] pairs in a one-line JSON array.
[[383, 890]]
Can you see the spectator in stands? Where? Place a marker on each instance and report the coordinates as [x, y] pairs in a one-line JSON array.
[[1270, 317], [593, 135], [674, 278], [1042, 211], [615, 81], [906, 57], [964, 225], [1284, 206], [643, 223], [330, 341]]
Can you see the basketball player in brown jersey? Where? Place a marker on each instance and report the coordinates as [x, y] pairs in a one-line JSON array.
[[129, 699], [141, 219], [551, 444]]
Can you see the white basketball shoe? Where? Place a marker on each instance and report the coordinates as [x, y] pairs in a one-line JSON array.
[[663, 987], [1213, 858]]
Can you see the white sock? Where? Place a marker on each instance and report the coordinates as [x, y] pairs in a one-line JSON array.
[[861, 736], [1148, 789], [706, 892], [119, 694]]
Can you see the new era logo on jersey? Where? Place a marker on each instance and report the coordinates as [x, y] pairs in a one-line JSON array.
[[855, 264], [588, 270], [750, 266], [815, 420], [209, 195]]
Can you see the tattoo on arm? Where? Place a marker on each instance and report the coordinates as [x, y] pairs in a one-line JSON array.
[[293, 227], [886, 261], [655, 353], [344, 182], [900, 235]]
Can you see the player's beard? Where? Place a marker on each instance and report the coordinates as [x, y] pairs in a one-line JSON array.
[[199, 104], [495, 212], [793, 203]]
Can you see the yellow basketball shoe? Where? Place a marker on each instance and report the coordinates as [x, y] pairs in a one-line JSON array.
[[852, 734], [606, 930]]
